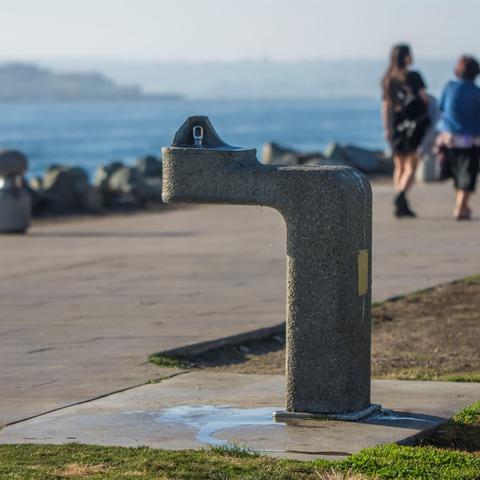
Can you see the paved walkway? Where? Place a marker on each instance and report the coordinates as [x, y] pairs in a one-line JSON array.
[[84, 302]]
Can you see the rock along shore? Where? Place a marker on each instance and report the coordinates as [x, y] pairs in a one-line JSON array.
[[116, 186], [65, 190]]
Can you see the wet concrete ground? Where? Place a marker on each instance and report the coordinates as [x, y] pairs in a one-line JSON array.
[[195, 410]]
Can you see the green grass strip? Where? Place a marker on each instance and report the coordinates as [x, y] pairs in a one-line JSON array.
[[414, 463], [73, 461]]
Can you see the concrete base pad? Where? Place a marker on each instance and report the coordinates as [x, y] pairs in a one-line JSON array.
[[285, 415], [198, 409]]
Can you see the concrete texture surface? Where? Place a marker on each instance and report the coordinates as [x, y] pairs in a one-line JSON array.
[[195, 410], [84, 302], [328, 217]]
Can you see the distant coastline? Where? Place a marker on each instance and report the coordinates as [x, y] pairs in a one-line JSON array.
[[315, 79], [25, 82]]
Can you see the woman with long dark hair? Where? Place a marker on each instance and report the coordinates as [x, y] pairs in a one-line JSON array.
[[459, 140], [405, 119]]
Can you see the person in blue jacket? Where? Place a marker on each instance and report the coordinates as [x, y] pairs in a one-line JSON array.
[[459, 140]]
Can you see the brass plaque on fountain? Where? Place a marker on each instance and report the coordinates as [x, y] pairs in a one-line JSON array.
[[362, 272]]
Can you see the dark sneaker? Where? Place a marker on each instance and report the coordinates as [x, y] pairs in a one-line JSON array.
[[402, 209]]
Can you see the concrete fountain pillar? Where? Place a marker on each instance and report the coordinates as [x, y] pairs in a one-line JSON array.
[[328, 213]]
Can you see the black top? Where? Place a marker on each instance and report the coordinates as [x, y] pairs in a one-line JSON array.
[[405, 103], [398, 90]]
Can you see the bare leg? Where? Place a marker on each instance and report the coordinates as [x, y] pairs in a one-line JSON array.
[[462, 210], [399, 166], [407, 165], [408, 177]]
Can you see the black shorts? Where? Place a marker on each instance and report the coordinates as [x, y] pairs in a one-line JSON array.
[[406, 142], [462, 165]]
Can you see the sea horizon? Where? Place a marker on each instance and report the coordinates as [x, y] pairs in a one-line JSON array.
[[90, 134]]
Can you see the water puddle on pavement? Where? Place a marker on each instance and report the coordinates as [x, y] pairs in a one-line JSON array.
[[410, 420], [208, 419]]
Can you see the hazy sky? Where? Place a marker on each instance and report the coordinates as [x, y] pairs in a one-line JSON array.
[[235, 29]]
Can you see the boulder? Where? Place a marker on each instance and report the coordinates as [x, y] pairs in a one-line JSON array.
[[365, 160], [153, 189], [101, 181], [93, 200], [149, 166], [37, 194], [335, 154], [103, 174], [129, 182], [66, 189], [274, 154], [36, 183], [12, 162]]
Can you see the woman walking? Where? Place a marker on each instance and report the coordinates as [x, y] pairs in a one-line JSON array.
[[459, 140], [405, 120]]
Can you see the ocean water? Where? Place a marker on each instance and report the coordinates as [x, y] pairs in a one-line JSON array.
[[90, 134]]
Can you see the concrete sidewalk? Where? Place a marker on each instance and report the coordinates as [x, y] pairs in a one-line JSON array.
[[84, 302], [199, 409]]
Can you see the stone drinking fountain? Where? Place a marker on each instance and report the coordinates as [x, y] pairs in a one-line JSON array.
[[328, 213]]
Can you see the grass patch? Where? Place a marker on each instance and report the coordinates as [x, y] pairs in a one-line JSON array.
[[168, 361], [72, 461], [431, 375], [469, 415], [441, 457], [414, 463], [234, 451], [462, 432], [471, 280]]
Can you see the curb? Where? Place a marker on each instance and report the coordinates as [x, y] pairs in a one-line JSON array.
[[203, 347], [259, 334]]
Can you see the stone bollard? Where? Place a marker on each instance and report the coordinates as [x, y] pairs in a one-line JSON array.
[[328, 213], [15, 202]]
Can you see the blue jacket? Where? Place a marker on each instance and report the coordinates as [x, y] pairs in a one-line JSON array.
[[460, 107]]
